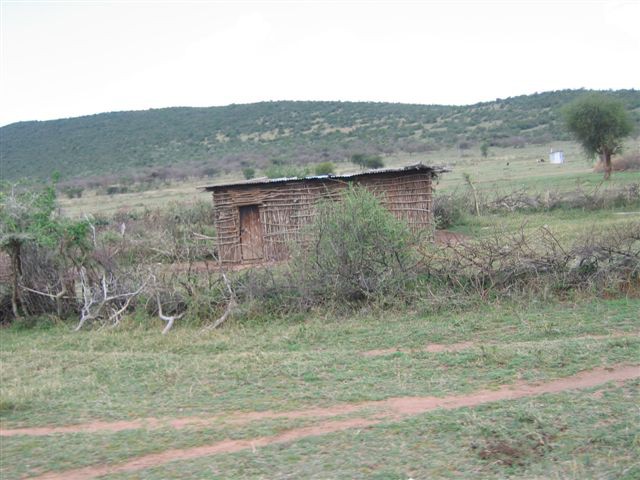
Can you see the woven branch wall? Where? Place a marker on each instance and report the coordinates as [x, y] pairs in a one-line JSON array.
[[287, 207]]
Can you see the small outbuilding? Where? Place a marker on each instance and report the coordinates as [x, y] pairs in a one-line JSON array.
[[257, 220], [556, 157]]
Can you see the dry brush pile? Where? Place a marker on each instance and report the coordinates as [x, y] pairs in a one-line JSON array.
[[451, 208], [98, 272], [538, 262], [356, 254]]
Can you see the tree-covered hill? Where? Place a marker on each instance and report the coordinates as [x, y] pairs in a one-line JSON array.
[[288, 132]]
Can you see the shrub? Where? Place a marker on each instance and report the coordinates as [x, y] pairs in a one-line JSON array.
[[539, 262], [115, 189], [42, 248], [358, 158], [285, 171], [161, 234], [356, 249], [249, 173], [464, 145], [73, 192], [513, 141], [374, 161], [449, 209], [484, 149], [325, 168], [209, 171], [630, 161], [367, 161]]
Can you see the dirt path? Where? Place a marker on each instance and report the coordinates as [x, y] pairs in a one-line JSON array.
[[445, 237], [456, 347], [391, 409], [151, 423], [177, 423], [431, 348]]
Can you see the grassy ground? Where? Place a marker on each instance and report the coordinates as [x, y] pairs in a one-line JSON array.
[[571, 436], [50, 376], [505, 168], [567, 225], [55, 377]]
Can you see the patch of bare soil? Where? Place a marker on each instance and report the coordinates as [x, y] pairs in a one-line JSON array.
[[393, 408], [591, 378], [511, 453], [152, 423], [431, 348], [445, 237], [456, 347]]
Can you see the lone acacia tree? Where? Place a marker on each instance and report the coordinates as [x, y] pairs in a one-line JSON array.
[[599, 123]]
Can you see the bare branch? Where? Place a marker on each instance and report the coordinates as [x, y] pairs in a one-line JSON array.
[[233, 303], [96, 300], [57, 296], [169, 320], [200, 236]]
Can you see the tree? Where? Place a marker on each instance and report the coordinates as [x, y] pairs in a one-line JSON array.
[[325, 168], [359, 159], [27, 219], [484, 149], [249, 172], [374, 161], [600, 123], [367, 161]]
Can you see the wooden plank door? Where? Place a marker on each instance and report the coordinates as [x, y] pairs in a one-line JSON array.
[[250, 233]]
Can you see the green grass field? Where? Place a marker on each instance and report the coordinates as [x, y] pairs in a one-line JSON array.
[[52, 377], [309, 396], [489, 174]]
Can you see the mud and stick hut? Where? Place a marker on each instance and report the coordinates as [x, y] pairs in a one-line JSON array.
[[257, 221]]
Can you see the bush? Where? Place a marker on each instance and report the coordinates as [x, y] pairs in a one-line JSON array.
[[286, 171], [449, 209], [374, 161], [249, 173], [513, 142], [484, 149], [356, 249], [43, 250], [325, 168], [73, 192], [367, 161], [115, 189], [209, 171], [539, 263], [630, 161], [161, 234]]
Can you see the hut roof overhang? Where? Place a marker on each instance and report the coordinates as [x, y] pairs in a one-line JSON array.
[[419, 167]]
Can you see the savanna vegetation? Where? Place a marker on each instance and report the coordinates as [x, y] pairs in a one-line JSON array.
[[371, 354], [121, 148]]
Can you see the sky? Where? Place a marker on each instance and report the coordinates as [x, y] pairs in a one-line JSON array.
[[67, 59]]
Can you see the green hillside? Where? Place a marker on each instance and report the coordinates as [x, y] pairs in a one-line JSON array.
[[223, 138]]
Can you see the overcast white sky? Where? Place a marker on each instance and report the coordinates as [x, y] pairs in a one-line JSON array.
[[64, 59]]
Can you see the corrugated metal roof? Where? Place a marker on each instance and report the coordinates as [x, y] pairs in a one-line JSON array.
[[419, 167]]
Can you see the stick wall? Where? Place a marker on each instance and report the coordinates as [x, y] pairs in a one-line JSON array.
[[286, 207]]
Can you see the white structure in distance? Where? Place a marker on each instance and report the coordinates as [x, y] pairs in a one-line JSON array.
[[556, 156]]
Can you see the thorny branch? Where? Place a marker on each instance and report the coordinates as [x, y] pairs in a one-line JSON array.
[[97, 300], [231, 305]]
